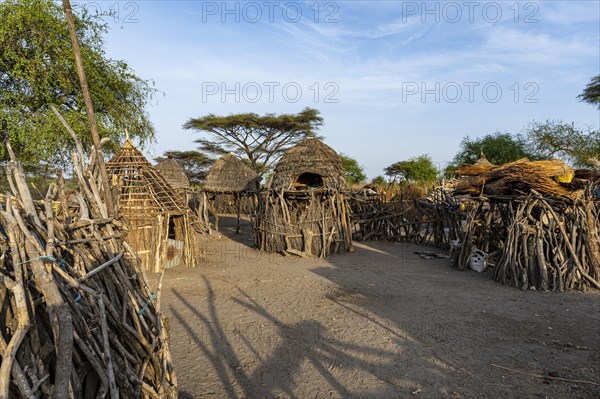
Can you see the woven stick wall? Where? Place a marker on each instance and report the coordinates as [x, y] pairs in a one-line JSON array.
[[155, 212], [305, 211]]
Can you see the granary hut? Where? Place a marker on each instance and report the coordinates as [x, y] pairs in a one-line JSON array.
[[161, 227], [174, 175], [305, 211], [227, 181]]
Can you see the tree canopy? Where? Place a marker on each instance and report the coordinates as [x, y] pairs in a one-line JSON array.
[[417, 169], [499, 148], [37, 69], [194, 163], [557, 139], [354, 172], [261, 140], [379, 180], [591, 93]]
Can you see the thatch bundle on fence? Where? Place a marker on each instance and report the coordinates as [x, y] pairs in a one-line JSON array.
[[540, 222], [174, 175], [163, 230], [546, 177], [304, 211], [78, 319]]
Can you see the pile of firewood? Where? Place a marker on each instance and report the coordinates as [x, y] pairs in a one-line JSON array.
[[538, 221], [78, 318]]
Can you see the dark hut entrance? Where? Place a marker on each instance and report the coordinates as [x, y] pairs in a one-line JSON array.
[[308, 180]]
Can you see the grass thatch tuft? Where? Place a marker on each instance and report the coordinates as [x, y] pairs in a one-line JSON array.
[[229, 174]]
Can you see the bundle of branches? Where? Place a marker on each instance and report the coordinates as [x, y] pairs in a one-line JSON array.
[[540, 242], [551, 177], [78, 318]]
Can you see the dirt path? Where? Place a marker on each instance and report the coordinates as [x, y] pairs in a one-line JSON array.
[[380, 323]]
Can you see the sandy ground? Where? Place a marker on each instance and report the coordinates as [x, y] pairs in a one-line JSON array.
[[379, 323]]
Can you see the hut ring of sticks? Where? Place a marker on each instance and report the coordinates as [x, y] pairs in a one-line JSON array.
[[79, 319], [228, 184], [305, 211]]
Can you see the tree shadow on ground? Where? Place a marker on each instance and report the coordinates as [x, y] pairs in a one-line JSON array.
[[295, 346]]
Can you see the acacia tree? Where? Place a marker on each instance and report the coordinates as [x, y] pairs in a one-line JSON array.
[[591, 93], [354, 172], [194, 163], [261, 140], [37, 69], [417, 169], [557, 139]]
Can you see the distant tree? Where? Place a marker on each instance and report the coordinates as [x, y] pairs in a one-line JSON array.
[[591, 93], [37, 69], [499, 148], [379, 180], [354, 172], [417, 169], [259, 139], [557, 139], [194, 163]]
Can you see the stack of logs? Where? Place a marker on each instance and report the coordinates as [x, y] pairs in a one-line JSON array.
[[78, 319]]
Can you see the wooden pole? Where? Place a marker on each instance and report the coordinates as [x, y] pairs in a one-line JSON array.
[[89, 107], [237, 200]]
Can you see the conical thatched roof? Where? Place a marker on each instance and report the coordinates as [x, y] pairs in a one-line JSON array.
[[230, 175], [143, 191], [173, 174], [311, 156]]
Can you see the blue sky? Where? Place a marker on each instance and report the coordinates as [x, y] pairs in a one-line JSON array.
[[392, 79]]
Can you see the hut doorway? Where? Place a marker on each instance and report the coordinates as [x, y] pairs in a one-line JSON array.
[[175, 242], [308, 180]]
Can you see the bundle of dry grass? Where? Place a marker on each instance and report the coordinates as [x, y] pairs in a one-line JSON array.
[[304, 211], [519, 177], [78, 318], [482, 165], [174, 175], [162, 227]]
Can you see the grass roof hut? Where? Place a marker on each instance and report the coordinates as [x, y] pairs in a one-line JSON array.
[[160, 224], [304, 210], [174, 175], [228, 180]]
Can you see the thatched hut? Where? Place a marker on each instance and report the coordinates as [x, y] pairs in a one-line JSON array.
[[160, 223], [304, 211], [174, 175], [227, 181]]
